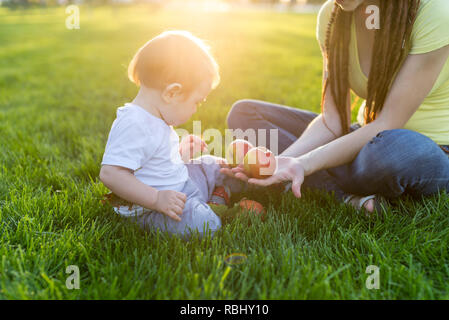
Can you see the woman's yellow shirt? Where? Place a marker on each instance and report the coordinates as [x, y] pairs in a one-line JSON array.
[[430, 32]]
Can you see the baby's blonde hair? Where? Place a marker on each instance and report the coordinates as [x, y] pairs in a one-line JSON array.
[[174, 57]]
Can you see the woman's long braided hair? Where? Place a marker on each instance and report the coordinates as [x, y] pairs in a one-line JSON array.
[[391, 46]]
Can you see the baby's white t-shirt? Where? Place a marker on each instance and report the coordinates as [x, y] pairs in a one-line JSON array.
[[147, 145]]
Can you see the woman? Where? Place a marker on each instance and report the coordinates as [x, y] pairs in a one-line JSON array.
[[400, 144]]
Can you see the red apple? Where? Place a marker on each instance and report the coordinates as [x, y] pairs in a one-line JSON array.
[[259, 163], [253, 207], [236, 152]]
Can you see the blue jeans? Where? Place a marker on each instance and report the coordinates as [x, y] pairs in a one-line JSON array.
[[393, 163]]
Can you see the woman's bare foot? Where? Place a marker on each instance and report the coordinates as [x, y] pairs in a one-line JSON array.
[[369, 205]]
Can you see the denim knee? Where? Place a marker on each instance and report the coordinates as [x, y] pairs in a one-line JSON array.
[[238, 114], [393, 152]]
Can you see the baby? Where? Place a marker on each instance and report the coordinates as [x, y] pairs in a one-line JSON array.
[[142, 164]]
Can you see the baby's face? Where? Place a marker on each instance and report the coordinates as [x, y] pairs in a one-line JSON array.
[[182, 108]]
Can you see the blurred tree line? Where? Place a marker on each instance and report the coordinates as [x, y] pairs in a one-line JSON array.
[[44, 3]]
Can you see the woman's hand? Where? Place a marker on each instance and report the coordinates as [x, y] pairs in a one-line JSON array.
[[191, 145], [287, 169]]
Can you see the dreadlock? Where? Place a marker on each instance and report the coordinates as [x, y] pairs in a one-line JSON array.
[[391, 46]]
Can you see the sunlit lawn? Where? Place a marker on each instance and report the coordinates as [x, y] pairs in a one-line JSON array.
[[59, 90]]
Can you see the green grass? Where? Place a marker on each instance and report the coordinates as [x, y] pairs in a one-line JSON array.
[[59, 90]]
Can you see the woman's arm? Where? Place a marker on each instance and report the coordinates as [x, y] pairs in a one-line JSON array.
[[413, 83], [317, 133], [124, 184]]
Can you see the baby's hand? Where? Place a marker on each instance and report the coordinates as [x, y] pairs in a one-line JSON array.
[[191, 145], [171, 203]]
